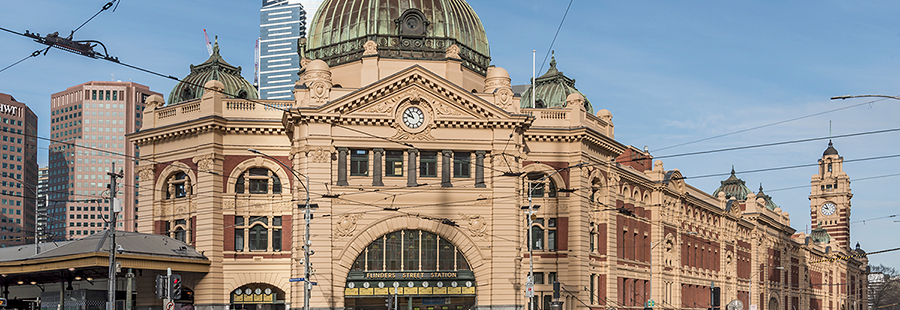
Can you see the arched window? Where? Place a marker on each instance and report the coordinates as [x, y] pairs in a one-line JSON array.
[[178, 186], [257, 181], [536, 186], [180, 234], [259, 238], [410, 250]]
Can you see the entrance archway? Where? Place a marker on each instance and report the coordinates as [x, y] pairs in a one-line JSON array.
[[257, 296], [416, 269]]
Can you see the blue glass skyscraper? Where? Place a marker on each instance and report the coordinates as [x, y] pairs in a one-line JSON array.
[[281, 24]]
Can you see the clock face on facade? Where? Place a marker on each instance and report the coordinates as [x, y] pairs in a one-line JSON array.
[[413, 117], [828, 208]]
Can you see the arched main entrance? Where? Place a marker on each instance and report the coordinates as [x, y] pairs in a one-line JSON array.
[[257, 296], [416, 269]]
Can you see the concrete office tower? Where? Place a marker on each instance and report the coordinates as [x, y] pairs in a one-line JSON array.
[[88, 127], [42, 203], [281, 24], [18, 171]]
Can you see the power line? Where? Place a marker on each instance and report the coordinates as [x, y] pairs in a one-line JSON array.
[[555, 36], [35, 54], [769, 124]]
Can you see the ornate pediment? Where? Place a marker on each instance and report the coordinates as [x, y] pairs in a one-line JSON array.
[[389, 97]]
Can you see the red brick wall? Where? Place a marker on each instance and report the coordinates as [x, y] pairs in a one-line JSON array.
[[601, 235], [159, 227], [228, 236], [562, 233], [194, 230], [286, 233]]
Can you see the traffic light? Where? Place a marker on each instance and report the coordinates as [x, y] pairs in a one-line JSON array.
[[715, 295], [2, 302], [556, 290], [162, 286], [389, 303], [175, 286]]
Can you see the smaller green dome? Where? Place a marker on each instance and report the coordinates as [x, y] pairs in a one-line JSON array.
[[552, 90], [214, 68], [768, 199], [733, 187]]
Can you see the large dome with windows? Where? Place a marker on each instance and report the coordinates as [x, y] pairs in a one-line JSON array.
[[420, 29]]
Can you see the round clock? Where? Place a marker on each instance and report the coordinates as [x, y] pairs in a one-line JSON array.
[[828, 208], [413, 117]]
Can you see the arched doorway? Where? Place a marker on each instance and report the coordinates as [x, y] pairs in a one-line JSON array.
[[773, 303], [414, 269], [257, 296]]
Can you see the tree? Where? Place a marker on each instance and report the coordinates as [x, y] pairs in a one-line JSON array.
[[884, 287]]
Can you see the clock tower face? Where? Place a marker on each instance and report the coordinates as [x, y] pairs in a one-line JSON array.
[[828, 208], [413, 117]]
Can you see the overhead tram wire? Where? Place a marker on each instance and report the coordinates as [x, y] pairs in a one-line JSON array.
[[769, 124], [34, 54], [105, 7], [854, 180], [556, 35]]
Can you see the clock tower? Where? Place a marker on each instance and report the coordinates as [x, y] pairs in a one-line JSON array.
[[830, 197]]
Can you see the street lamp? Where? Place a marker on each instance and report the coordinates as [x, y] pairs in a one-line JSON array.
[[307, 216], [531, 210], [750, 286]]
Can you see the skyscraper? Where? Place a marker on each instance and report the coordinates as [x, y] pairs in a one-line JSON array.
[[281, 24], [18, 171], [43, 179], [88, 127]]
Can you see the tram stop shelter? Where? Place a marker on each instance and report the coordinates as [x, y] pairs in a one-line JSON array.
[[77, 271]]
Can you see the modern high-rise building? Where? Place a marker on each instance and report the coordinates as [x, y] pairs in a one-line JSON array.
[[310, 6], [18, 171], [42, 203], [88, 127], [281, 24]]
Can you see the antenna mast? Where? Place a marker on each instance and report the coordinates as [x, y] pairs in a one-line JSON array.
[[256, 65]]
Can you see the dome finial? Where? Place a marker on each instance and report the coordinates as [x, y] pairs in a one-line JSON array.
[[760, 188], [216, 46], [552, 59], [732, 170]]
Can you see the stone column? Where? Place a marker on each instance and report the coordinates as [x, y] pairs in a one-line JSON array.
[[411, 168], [377, 174], [479, 169], [342, 166], [446, 164]]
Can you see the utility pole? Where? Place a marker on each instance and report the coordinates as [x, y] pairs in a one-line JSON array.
[[111, 293]]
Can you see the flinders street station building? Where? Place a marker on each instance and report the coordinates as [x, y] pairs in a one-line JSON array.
[[433, 182]]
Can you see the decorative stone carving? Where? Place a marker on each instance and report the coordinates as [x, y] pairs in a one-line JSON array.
[[345, 224], [384, 106], [424, 135], [506, 162], [319, 155], [477, 225], [503, 97], [483, 200], [453, 52], [145, 172], [204, 162], [318, 79], [371, 48], [442, 109], [305, 61]]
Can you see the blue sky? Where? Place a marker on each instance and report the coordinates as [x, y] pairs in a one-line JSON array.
[[669, 71]]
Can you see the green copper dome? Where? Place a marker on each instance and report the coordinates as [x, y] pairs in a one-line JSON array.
[[214, 68], [733, 187], [768, 199], [552, 90], [415, 29]]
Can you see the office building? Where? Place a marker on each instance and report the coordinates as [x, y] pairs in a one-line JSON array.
[[42, 203], [89, 122], [281, 24], [18, 171]]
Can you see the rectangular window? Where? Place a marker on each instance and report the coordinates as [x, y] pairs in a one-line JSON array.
[[276, 238], [94, 95], [538, 278], [115, 96], [393, 162], [239, 239], [462, 164], [428, 164], [107, 95], [359, 162]]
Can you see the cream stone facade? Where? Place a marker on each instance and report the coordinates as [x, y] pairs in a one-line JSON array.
[[420, 164]]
